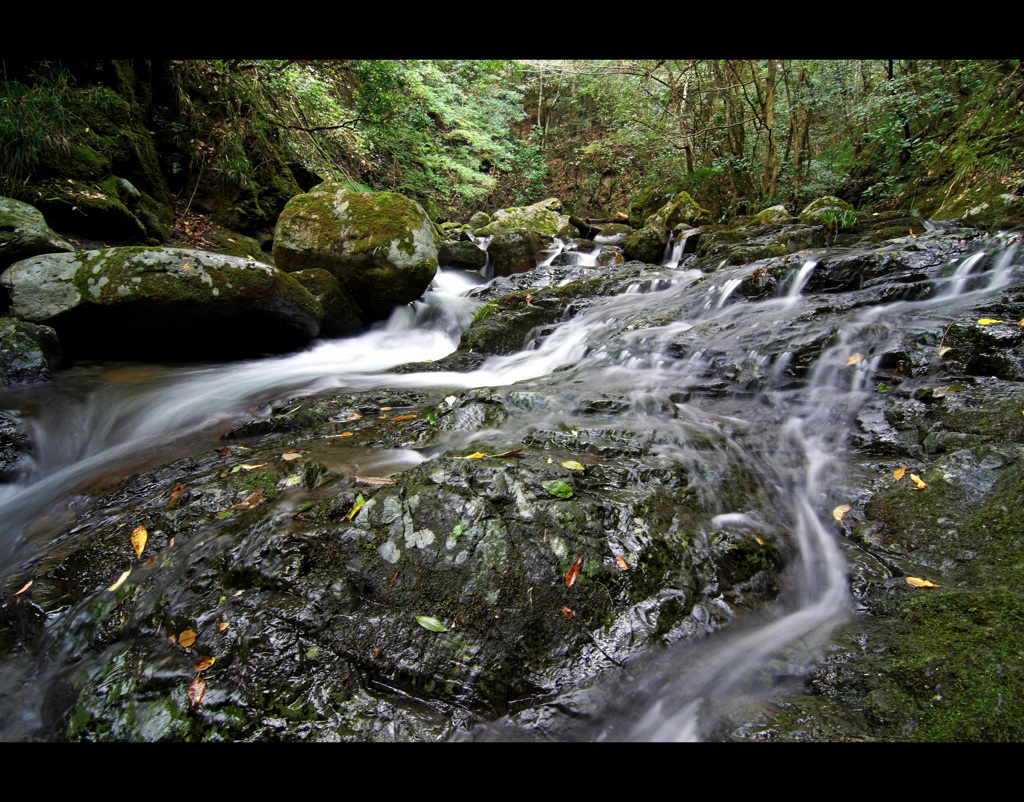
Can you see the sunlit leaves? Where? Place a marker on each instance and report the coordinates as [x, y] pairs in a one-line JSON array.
[[138, 539], [120, 580], [431, 623], [556, 487], [358, 505], [841, 511]]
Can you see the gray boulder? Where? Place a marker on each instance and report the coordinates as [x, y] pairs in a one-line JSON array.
[[381, 246], [162, 303], [24, 233], [28, 352]]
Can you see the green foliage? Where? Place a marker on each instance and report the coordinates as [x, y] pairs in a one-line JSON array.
[[35, 125]]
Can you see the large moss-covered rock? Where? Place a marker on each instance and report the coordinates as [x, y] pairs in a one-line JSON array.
[[341, 313], [545, 218], [681, 209], [516, 250], [646, 245], [28, 352], [381, 246], [462, 254], [827, 211], [162, 303], [24, 233]]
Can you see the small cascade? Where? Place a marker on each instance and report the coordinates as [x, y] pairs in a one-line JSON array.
[[727, 290], [800, 280]]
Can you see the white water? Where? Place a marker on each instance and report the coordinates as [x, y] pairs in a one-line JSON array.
[[93, 423]]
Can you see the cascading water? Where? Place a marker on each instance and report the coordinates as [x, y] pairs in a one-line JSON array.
[[664, 344]]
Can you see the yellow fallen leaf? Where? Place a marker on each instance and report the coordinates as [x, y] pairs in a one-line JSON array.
[[205, 663], [27, 586], [619, 561], [913, 234], [403, 417], [477, 455], [759, 541], [187, 638], [985, 321], [550, 460], [139, 536], [944, 350], [290, 455], [839, 512], [385, 409], [920, 583], [853, 360], [252, 467], [918, 484], [223, 625], [120, 580], [572, 465], [898, 473], [354, 416]]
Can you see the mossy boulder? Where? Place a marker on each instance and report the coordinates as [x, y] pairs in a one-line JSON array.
[[681, 209], [516, 250], [545, 218], [774, 214], [162, 303], [461, 254], [479, 220], [826, 211], [381, 246], [341, 312], [28, 353], [24, 233], [646, 245]]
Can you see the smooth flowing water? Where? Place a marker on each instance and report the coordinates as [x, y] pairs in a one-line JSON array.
[[662, 344]]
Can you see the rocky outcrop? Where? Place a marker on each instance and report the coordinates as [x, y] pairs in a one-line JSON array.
[[24, 233], [381, 246], [29, 353], [162, 303]]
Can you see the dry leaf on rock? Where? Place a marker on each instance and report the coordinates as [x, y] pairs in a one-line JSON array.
[[138, 538], [196, 691], [920, 583], [918, 484], [898, 473], [840, 511], [187, 638], [574, 572]]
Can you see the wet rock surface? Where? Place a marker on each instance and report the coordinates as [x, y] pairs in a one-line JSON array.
[[421, 564]]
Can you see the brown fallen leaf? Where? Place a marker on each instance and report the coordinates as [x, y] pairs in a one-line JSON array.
[[567, 612], [403, 417], [196, 691], [899, 473], [918, 484], [205, 663], [619, 561], [186, 638], [373, 481], [138, 538], [178, 490], [840, 511], [27, 586], [920, 583], [574, 572], [249, 501]]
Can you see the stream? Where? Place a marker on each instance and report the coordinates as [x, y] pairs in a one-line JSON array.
[[709, 378]]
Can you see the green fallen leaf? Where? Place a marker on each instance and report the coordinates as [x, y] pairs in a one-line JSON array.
[[431, 417], [556, 487], [291, 481], [428, 622], [457, 531], [360, 501]]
